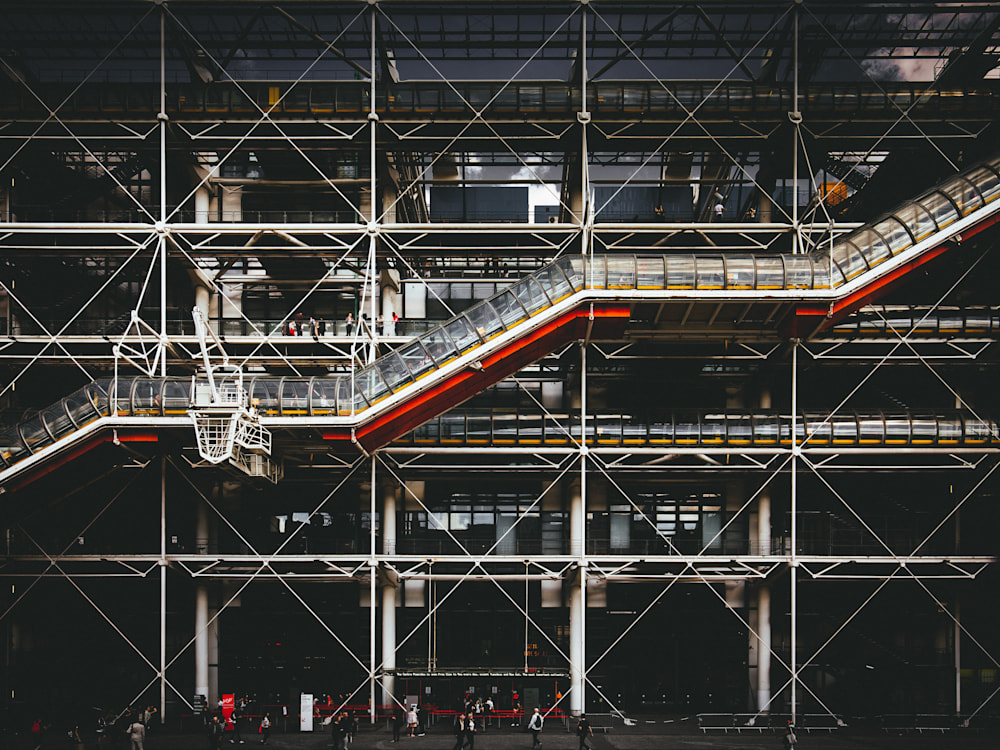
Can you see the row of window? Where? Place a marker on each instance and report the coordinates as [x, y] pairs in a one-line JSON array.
[[353, 97], [276, 396]]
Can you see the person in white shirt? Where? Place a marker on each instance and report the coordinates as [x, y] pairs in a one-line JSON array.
[[535, 725]]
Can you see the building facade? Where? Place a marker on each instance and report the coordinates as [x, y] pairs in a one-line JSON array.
[[610, 356]]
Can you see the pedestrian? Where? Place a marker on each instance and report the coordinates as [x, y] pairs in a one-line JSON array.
[[583, 730], [411, 721], [214, 731], [719, 209], [489, 707], [789, 740], [398, 720], [136, 733], [265, 728], [469, 736], [235, 718], [535, 726], [339, 733], [459, 727], [77, 741], [420, 720]]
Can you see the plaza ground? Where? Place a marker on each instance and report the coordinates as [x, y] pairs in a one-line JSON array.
[[668, 734]]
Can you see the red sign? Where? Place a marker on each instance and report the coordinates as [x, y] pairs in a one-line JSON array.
[[227, 709]]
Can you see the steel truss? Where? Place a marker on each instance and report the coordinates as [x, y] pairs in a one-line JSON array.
[[354, 252]]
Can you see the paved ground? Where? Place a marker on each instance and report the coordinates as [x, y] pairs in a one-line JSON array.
[[677, 736]]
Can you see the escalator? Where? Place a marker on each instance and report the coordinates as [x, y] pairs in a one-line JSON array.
[[576, 297]]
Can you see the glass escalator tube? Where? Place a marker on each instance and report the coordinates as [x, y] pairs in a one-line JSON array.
[[740, 272], [417, 359], [531, 295], [12, 447], [650, 272], [34, 435], [394, 371], [177, 396], [509, 308], [621, 272], [369, 381], [917, 220], [294, 398], [555, 283], [485, 321], [963, 194], [265, 393], [57, 420]]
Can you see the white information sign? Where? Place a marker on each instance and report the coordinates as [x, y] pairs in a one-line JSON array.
[[305, 712]]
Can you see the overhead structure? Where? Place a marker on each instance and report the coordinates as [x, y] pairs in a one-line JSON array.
[[556, 329]]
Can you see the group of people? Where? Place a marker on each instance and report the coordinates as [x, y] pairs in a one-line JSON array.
[[412, 718], [218, 725], [125, 730], [494, 267], [299, 326], [343, 727], [384, 326]]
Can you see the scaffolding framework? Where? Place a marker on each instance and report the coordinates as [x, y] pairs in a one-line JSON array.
[[375, 110]]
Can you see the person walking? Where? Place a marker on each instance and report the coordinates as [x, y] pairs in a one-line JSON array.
[[265, 728], [789, 740], [339, 732], [584, 730], [411, 721], [535, 726], [136, 734], [459, 731], [214, 732], [469, 736], [398, 720], [235, 718]]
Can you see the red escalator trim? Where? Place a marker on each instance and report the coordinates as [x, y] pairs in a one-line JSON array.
[[104, 436], [808, 319], [609, 321], [804, 321]]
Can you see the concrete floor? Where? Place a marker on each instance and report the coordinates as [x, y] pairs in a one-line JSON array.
[[680, 736]]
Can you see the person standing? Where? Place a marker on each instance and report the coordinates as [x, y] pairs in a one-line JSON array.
[[583, 730], [488, 713], [535, 726]]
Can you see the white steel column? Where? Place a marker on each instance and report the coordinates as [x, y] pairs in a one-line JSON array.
[[763, 606], [201, 610], [578, 548], [163, 589], [388, 523], [793, 561], [162, 239], [373, 573], [764, 647], [958, 655], [796, 117]]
